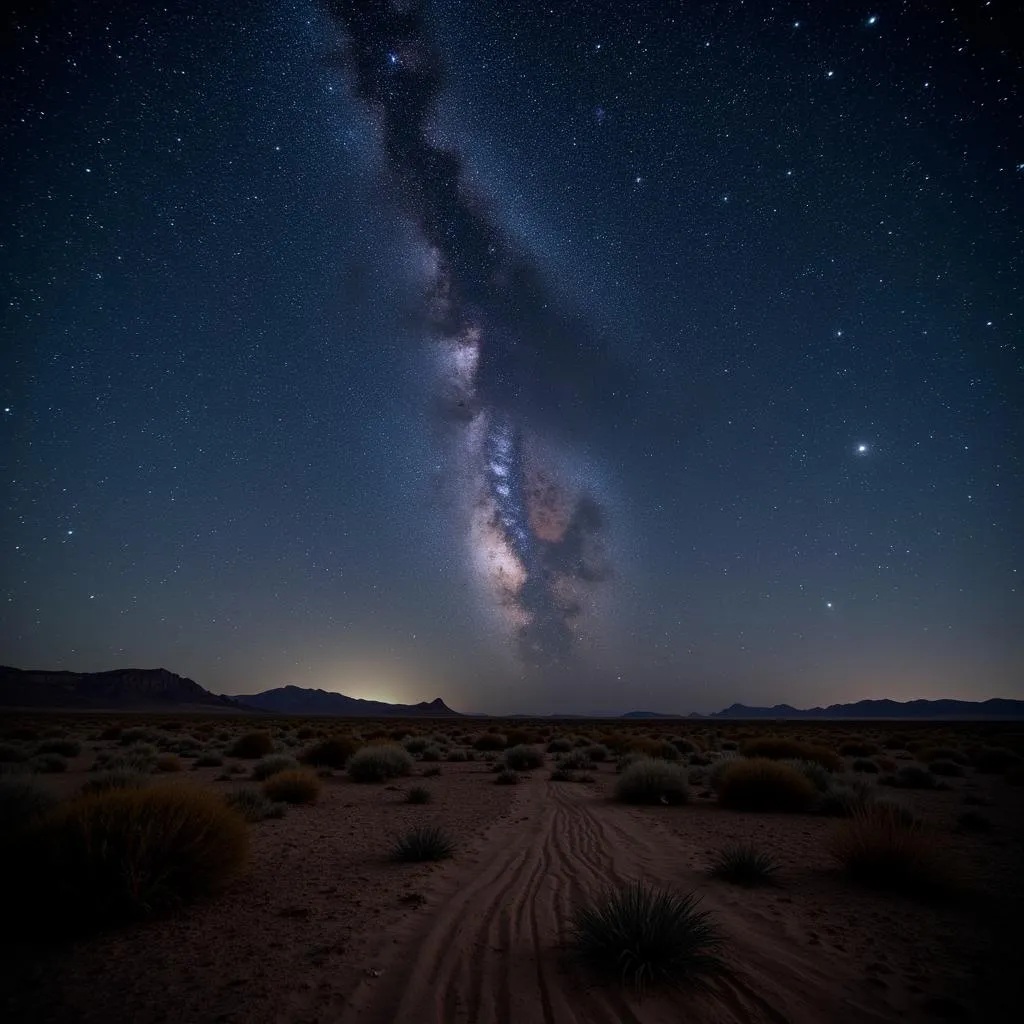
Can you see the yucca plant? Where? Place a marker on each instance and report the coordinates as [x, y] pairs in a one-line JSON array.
[[428, 842], [647, 935]]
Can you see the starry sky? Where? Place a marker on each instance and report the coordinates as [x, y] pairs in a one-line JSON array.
[[565, 357]]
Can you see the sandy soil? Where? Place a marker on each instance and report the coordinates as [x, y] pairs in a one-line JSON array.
[[325, 928]]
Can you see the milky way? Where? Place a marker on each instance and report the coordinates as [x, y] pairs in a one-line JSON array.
[[512, 379]]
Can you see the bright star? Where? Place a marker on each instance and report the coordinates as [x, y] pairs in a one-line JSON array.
[[862, 449], [872, 19]]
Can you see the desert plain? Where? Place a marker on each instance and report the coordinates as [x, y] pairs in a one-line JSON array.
[[314, 915]]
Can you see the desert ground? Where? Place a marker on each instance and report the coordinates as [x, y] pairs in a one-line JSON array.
[[320, 920]]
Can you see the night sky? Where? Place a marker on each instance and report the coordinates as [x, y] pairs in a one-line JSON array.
[[572, 357]]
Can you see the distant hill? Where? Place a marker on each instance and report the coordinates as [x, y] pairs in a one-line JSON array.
[[892, 709], [295, 700], [648, 714], [127, 688]]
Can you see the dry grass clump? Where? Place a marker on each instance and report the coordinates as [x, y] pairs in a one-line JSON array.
[[745, 864], [523, 758], [578, 760], [11, 753], [380, 762], [295, 786], [761, 784], [118, 778], [66, 748], [561, 745], [780, 748], [652, 781], [265, 767], [506, 777], [127, 853], [253, 806], [169, 763], [252, 745], [995, 760], [21, 803], [47, 764], [859, 748], [333, 752], [418, 795], [426, 843], [647, 935], [491, 741], [879, 847], [559, 774]]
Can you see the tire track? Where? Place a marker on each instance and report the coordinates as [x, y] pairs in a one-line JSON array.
[[494, 951]]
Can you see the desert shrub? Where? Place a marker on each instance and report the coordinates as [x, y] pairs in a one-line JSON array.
[[647, 935], [491, 741], [138, 734], [926, 754], [745, 864], [596, 752], [168, 763], [761, 784], [683, 745], [576, 760], [519, 737], [333, 752], [652, 781], [431, 753], [418, 795], [66, 748], [454, 756], [912, 776], [428, 842], [561, 745], [295, 786], [858, 748], [973, 821], [817, 775], [719, 766], [995, 760], [110, 734], [730, 745], [584, 777], [844, 799], [12, 754], [561, 775], [252, 745], [947, 768], [379, 762], [48, 763], [119, 778], [698, 760], [877, 848], [415, 744], [779, 748], [865, 764], [128, 853], [253, 805], [523, 758], [625, 760], [208, 760], [271, 765], [21, 803], [506, 777]]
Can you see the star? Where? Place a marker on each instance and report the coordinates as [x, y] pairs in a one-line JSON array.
[[862, 448]]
